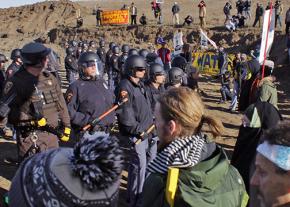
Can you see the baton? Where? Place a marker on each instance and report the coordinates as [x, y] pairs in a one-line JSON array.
[[98, 119], [150, 129]]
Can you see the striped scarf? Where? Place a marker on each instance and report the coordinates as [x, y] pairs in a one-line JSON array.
[[181, 153]]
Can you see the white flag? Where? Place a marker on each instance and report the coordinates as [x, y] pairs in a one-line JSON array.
[[267, 34], [210, 41], [177, 43]]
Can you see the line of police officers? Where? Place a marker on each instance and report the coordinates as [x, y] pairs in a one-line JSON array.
[[32, 100]]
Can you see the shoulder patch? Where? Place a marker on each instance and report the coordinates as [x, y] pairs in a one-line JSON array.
[[68, 97], [8, 87], [123, 94]]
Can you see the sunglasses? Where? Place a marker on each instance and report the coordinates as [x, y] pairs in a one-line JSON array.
[[140, 69]]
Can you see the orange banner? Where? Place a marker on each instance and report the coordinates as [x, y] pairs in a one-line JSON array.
[[115, 17]]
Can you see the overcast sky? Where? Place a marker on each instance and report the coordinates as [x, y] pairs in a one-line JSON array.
[[11, 3]]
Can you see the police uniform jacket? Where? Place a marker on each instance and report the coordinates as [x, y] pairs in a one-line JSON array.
[[35, 96], [101, 52], [12, 68], [135, 116], [87, 100], [71, 63], [153, 93]]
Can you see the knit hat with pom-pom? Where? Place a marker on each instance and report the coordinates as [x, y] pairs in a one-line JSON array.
[[88, 175]]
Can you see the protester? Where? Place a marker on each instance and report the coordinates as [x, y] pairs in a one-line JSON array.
[[259, 14], [188, 20], [272, 174], [133, 13], [227, 11], [247, 9], [202, 13], [143, 20], [205, 177], [225, 87], [175, 13], [278, 13], [164, 54], [99, 16], [268, 91], [88, 175], [240, 7], [257, 118], [287, 21]]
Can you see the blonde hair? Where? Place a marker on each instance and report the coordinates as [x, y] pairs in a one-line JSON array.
[[186, 108]]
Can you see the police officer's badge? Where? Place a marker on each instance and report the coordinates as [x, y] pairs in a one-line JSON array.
[[7, 87], [105, 85]]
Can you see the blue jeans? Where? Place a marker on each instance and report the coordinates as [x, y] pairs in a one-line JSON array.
[[234, 102]]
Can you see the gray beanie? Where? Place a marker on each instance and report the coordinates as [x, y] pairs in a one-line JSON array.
[[88, 175]]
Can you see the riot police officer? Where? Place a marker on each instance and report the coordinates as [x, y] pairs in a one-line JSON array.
[[114, 72], [133, 51], [33, 103], [71, 66], [101, 51], [155, 85], [143, 53], [153, 58], [92, 46], [121, 60], [109, 54], [3, 60], [89, 97], [16, 63], [175, 77], [135, 117]]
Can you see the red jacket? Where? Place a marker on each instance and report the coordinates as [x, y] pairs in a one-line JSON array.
[[164, 54]]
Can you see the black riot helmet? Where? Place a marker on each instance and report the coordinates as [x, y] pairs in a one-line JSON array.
[[116, 50], [16, 53], [111, 45], [156, 69], [143, 53], [134, 63], [73, 43], [89, 59], [175, 75], [179, 62], [133, 51], [102, 43], [125, 48], [3, 58], [92, 43], [33, 53], [151, 57], [70, 51]]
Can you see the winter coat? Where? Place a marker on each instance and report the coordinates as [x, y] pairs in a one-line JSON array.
[[212, 182], [268, 91]]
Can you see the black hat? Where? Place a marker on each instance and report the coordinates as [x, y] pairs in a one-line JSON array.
[[88, 175], [33, 53]]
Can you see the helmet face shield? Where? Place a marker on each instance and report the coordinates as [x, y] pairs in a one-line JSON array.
[[98, 66]]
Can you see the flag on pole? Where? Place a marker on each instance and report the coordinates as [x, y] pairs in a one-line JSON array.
[[208, 39], [267, 34]]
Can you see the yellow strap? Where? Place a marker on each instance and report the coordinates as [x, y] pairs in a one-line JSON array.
[[171, 185]]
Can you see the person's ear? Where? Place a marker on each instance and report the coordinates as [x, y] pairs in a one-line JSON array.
[[172, 127]]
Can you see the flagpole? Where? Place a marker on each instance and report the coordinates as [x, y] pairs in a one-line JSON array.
[[265, 52]]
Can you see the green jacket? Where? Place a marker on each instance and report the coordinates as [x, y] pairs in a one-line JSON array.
[[213, 182], [268, 92]]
